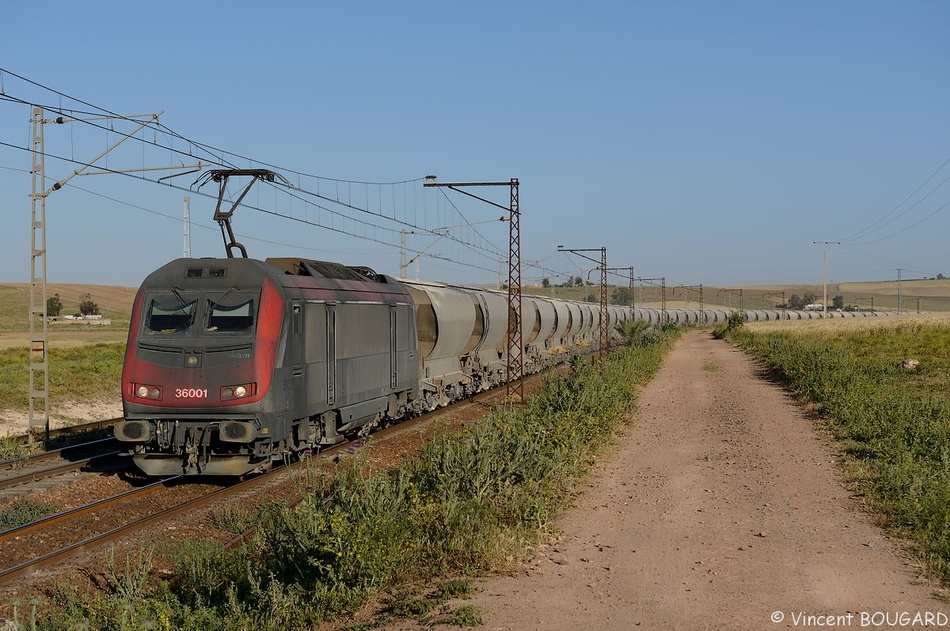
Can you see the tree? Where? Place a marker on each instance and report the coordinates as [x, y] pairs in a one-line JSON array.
[[620, 296], [545, 282], [809, 298], [941, 277], [796, 302], [837, 302], [54, 306], [87, 306]]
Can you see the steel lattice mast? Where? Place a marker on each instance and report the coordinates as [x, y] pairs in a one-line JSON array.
[[514, 364]]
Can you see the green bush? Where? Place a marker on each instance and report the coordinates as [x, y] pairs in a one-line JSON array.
[[736, 320]]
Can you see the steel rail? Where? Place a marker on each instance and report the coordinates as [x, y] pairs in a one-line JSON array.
[[12, 463], [39, 474], [49, 520], [96, 540], [70, 430], [36, 474]]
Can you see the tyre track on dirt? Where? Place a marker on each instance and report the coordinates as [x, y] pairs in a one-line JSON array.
[[720, 506]]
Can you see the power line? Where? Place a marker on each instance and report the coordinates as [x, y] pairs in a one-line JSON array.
[[211, 148], [275, 213], [871, 228], [849, 250], [217, 156], [903, 230], [317, 194]]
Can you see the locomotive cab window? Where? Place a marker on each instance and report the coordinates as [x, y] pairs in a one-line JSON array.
[[169, 315], [230, 318]]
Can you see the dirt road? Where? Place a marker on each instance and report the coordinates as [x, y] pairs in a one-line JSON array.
[[720, 509]]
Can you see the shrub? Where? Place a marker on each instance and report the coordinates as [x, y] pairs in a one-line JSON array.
[[736, 320]]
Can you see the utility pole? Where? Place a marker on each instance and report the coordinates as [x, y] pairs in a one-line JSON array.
[[39, 336], [664, 314], [730, 292], [770, 296], [604, 337], [698, 289], [187, 227], [515, 355], [899, 294], [402, 253], [827, 245], [662, 286]]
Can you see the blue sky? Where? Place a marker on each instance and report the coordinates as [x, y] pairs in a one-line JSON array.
[[706, 142]]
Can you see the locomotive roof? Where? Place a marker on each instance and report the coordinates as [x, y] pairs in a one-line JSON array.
[[288, 272]]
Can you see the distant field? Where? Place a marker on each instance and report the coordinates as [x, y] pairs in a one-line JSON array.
[[115, 303], [933, 295], [835, 327]]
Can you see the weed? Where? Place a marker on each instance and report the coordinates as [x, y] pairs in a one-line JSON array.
[[12, 448], [459, 588], [233, 518], [23, 511], [412, 607], [129, 585], [465, 616]]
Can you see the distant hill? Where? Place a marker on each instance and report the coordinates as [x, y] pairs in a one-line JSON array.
[[114, 302]]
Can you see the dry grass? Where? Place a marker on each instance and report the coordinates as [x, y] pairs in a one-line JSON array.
[[834, 327], [107, 296], [68, 336], [926, 288]]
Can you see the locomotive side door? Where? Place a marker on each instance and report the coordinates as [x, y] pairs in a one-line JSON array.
[[298, 347], [331, 354], [393, 347]]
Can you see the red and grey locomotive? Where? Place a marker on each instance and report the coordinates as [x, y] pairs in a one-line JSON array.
[[233, 363]]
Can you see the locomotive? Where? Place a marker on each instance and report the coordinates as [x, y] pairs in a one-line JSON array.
[[233, 364]]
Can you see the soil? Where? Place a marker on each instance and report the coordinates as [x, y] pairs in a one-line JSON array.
[[722, 507], [64, 414]]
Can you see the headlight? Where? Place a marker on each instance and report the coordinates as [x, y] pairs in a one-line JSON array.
[[229, 393], [145, 391]]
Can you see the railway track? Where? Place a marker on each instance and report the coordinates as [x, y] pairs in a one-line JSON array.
[[41, 466], [91, 542], [65, 434]]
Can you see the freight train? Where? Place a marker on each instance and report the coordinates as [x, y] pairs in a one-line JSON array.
[[234, 364]]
